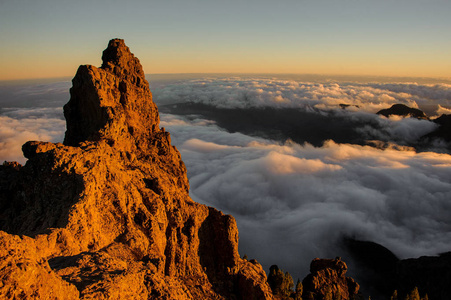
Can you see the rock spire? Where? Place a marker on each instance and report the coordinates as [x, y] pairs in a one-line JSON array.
[[107, 214]]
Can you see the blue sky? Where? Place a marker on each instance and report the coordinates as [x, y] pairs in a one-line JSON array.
[[395, 38]]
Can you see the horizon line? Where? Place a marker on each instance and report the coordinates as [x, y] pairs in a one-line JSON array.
[[363, 76]]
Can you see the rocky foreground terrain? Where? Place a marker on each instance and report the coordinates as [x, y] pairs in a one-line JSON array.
[[107, 214]]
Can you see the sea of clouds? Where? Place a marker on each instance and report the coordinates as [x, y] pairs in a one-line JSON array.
[[236, 92], [292, 202], [295, 202], [344, 104], [30, 111]]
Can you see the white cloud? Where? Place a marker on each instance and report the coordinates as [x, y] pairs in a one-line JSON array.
[[280, 164], [292, 202], [17, 126], [396, 129], [257, 92], [443, 110], [326, 99]]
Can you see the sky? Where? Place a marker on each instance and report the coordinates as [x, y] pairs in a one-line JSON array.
[[45, 39]]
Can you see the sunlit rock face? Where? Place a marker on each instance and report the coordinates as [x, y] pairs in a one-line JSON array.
[[112, 102], [107, 214]]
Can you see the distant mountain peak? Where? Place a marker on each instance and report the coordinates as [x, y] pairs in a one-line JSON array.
[[403, 110]]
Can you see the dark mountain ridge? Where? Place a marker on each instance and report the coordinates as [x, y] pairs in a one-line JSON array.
[[315, 128], [404, 111]]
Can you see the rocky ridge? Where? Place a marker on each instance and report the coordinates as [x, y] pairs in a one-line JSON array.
[[107, 214], [403, 110]]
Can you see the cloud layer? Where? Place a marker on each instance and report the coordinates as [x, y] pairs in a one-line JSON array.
[[21, 125], [30, 112], [311, 111], [238, 92], [294, 202]]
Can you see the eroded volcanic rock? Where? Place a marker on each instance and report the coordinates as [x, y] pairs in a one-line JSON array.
[[107, 214], [327, 280]]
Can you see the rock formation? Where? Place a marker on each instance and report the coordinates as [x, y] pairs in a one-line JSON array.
[[327, 280], [107, 214], [403, 110]]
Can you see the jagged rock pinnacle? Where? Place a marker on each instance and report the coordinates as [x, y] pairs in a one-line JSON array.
[[118, 59], [111, 102], [107, 214]]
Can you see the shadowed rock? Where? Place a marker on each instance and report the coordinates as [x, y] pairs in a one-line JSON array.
[[377, 267], [403, 110], [431, 274], [444, 130]]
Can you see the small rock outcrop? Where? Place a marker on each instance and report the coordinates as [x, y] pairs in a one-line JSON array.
[[327, 280], [107, 214], [404, 111]]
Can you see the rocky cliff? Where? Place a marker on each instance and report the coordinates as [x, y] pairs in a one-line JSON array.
[[107, 214]]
